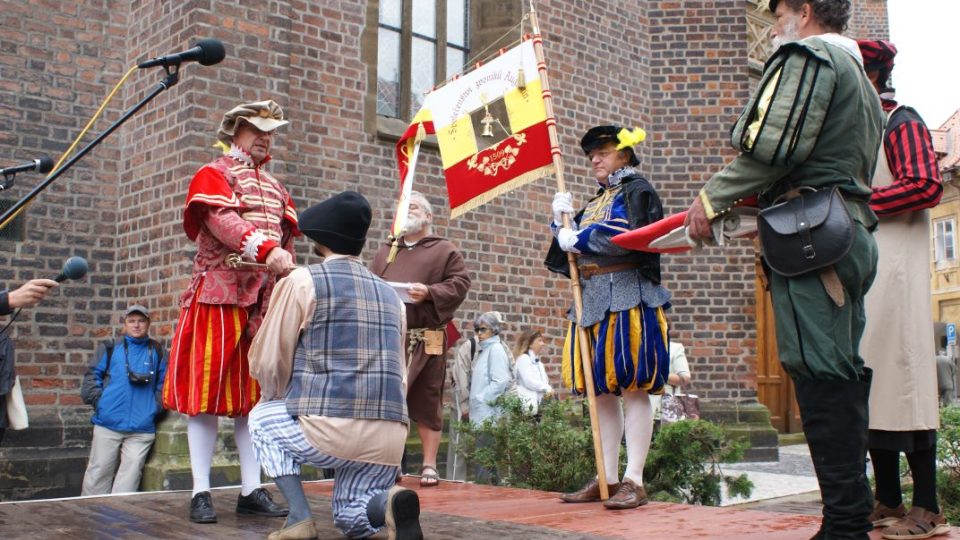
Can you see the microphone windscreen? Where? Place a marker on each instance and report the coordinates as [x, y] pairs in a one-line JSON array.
[[74, 268], [45, 165], [212, 52]]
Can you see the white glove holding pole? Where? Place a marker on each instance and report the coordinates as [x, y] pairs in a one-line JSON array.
[[567, 238], [562, 204]]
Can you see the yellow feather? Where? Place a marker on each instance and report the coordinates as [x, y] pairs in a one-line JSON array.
[[628, 137]]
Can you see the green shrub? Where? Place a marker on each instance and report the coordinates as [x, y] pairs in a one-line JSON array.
[[555, 453], [552, 454], [948, 463], [684, 464]]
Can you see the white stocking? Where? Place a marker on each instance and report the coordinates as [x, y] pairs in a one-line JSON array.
[[249, 468], [639, 427], [201, 438], [610, 415]]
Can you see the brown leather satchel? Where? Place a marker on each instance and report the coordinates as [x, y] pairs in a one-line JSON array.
[[807, 232]]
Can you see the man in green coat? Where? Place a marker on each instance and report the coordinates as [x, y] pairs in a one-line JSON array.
[[815, 121]]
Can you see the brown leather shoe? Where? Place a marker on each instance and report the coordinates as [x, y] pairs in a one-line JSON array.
[[589, 493], [628, 496], [884, 516], [303, 530]]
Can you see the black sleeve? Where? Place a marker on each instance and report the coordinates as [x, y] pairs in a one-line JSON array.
[[5, 303], [643, 203]]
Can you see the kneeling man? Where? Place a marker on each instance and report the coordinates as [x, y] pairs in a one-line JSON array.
[[330, 362]]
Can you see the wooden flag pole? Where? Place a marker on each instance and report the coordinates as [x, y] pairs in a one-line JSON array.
[[583, 339], [400, 219]]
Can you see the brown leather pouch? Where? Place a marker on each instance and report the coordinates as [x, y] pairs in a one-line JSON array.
[[433, 341]]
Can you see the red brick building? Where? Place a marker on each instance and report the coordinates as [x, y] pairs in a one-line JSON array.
[[681, 70]]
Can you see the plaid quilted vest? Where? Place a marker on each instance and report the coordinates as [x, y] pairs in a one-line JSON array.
[[349, 361]]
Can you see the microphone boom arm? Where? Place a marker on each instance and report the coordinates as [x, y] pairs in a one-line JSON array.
[[172, 78]]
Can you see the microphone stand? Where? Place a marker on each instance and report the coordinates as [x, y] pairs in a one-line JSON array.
[[8, 179], [172, 78]]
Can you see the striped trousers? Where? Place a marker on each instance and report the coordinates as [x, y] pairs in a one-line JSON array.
[[208, 371], [281, 448]]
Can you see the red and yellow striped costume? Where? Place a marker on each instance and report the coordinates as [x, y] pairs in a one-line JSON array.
[[232, 207]]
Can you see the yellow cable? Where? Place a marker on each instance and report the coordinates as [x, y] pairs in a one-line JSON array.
[[94, 118], [76, 141]]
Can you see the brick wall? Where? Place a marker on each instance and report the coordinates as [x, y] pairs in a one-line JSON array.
[[678, 69], [869, 20], [57, 62]]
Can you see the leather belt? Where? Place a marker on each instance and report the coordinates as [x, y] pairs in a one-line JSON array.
[[587, 271]]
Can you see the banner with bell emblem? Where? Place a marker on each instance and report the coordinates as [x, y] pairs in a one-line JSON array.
[[491, 126]]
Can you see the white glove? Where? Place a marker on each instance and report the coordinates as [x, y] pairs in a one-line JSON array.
[[567, 238], [562, 204]]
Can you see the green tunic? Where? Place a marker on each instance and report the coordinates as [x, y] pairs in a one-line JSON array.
[[815, 120]]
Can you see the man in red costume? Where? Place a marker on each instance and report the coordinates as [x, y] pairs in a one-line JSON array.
[[234, 206]]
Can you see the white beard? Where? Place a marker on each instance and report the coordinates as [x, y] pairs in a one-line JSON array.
[[790, 33], [415, 225]]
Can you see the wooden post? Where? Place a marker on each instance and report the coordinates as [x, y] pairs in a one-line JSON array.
[[586, 354]]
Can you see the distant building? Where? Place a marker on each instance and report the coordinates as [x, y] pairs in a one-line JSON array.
[[945, 261]]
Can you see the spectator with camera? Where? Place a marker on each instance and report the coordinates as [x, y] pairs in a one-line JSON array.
[[124, 387]]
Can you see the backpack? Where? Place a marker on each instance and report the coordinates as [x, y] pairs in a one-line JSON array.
[[90, 391]]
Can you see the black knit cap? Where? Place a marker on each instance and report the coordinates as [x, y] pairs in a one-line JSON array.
[[340, 222], [598, 136]]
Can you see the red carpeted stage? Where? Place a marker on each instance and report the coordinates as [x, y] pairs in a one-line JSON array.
[[450, 511]]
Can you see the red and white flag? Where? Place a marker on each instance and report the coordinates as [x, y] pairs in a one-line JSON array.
[[491, 126]]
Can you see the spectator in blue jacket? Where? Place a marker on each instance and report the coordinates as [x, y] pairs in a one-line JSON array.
[[124, 387], [492, 371]]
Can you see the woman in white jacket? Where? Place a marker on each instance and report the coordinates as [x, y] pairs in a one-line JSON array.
[[532, 381]]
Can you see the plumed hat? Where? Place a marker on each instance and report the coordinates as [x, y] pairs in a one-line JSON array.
[[265, 115], [340, 222], [598, 136]]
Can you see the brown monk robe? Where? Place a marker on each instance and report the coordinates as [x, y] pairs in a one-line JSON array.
[[436, 270]]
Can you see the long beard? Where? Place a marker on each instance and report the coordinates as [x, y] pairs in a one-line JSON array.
[[791, 31]]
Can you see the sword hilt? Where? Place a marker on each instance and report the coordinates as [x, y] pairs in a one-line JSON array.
[[235, 261]]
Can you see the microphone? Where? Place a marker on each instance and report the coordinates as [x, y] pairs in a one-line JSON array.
[[42, 164], [207, 51], [73, 268]]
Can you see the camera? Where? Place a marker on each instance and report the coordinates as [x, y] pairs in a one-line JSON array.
[[139, 378]]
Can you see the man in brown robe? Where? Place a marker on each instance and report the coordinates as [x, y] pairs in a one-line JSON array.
[[437, 282]]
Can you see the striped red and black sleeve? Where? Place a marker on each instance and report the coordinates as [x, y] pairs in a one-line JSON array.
[[913, 163]]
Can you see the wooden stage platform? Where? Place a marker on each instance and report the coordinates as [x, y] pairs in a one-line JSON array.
[[449, 511]]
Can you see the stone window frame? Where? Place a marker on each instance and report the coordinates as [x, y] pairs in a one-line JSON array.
[[392, 127], [941, 238]]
